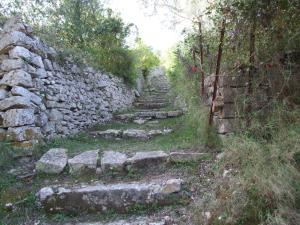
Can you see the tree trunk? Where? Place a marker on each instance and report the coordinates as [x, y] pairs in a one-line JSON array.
[[251, 71], [202, 74], [218, 67]]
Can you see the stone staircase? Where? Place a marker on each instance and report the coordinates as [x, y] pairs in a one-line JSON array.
[[123, 183]]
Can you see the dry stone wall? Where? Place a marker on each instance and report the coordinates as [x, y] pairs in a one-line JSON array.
[[41, 97], [230, 104]]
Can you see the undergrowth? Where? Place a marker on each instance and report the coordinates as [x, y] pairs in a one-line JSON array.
[[263, 185]]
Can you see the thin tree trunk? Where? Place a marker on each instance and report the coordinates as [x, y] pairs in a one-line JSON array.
[[251, 70], [202, 75], [220, 51]]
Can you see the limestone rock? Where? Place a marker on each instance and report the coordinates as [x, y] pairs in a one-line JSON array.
[[113, 161], [53, 162], [1, 118], [110, 133], [17, 78], [48, 65], [27, 94], [9, 40], [15, 102], [24, 133], [146, 159], [130, 221], [172, 186], [84, 161], [13, 64], [23, 53], [153, 133], [44, 193], [140, 121], [133, 133], [18, 117], [3, 94], [20, 52], [55, 115], [16, 24], [96, 197]]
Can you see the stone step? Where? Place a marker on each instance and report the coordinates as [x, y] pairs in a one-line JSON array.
[[107, 198], [153, 105], [130, 133], [149, 114], [152, 100], [134, 220], [112, 161]]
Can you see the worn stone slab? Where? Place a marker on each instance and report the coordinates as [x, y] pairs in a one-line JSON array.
[[120, 197], [25, 133], [86, 161], [178, 157], [114, 161], [110, 133], [18, 117], [130, 221], [144, 160], [134, 133], [17, 78], [53, 162]]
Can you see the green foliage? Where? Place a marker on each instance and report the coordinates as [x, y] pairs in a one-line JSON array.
[[186, 85], [145, 58], [86, 30], [267, 172]]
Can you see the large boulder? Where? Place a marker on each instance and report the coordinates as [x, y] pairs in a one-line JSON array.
[[25, 133], [53, 162], [86, 161], [15, 102], [114, 161], [17, 78], [18, 117]]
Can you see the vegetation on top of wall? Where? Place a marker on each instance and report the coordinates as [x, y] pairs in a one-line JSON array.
[[85, 30]]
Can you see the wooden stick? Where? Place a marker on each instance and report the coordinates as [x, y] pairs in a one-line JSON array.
[[218, 68]]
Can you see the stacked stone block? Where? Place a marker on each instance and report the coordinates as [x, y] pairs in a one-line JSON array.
[[230, 103], [42, 97]]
